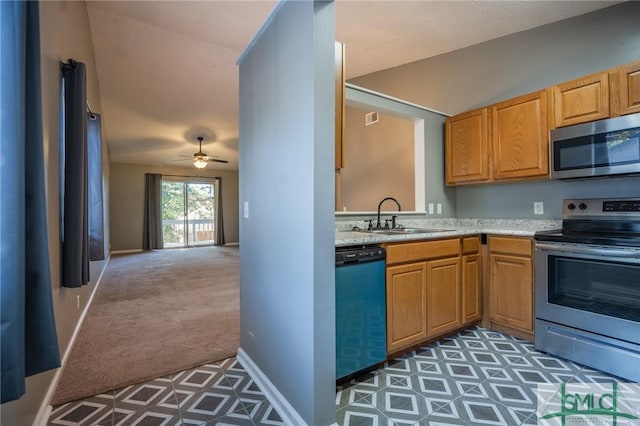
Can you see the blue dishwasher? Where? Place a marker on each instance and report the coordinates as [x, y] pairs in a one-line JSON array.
[[361, 320]]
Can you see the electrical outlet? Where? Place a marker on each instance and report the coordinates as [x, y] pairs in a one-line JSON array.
[[439, 208], [430, 208], [538, 207]]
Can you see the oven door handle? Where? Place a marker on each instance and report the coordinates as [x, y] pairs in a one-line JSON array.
[[608, 252]]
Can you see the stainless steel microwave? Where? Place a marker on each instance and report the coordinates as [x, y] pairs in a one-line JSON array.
[[596, 149]]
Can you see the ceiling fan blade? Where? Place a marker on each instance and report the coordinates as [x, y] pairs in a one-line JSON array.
[[218, 161], [183, 159], [185, 156]]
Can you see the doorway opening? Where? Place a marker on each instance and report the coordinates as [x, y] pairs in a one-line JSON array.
[[188, 213]]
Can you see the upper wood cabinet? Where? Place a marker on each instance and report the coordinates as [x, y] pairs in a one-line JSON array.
[[597, 96], [340, 104], [467, 154], [582, 100], [625, 89], [520, 137], [510, 140]]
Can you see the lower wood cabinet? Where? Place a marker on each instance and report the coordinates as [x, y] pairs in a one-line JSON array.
[[435, 287], [443, 296], [406, 305], [431, 289], [471, 280], [511, 283]]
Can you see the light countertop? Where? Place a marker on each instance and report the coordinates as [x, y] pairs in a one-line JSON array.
[[454, 228]]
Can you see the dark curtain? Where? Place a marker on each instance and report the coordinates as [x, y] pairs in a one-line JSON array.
[[29, 343], [219, 221], [96, 220], [75, 232], [152, 227]]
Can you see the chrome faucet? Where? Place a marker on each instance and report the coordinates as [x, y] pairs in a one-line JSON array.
[[378, 224]]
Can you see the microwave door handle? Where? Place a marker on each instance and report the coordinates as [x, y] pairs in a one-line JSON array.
[[609, 252]]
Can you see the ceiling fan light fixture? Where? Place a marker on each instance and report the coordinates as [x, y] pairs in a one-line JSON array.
[[200, 162], [200, 159]]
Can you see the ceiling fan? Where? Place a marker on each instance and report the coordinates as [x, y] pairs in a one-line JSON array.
[[201, 159]]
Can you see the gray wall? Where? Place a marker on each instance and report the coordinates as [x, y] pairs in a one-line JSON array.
[[64, 33], [127, 201], [514, 65], [286, 175]]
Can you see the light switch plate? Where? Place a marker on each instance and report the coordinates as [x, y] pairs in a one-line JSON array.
[[430, 208], [439, 208], [246, 210]]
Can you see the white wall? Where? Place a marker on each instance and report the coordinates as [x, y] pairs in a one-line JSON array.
[[64, 34], [286, 176], [127, 201], [513, 65]]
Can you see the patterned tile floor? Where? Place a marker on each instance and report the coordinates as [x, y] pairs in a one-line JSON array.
[[477, 377]]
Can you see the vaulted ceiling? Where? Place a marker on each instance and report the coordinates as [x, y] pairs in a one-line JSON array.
[[167, 69]]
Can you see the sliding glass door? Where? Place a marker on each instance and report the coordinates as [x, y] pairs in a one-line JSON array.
[[200, 213], [188, 213]]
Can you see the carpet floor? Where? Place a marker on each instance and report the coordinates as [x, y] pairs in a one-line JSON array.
[[155, 313]]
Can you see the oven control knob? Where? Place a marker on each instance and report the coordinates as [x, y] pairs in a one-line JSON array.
[[582, 206], [571, 206]]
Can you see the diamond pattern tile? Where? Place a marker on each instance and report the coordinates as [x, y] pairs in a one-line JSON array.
[[483, 413], [267, 415], [476, 377], [81, 413], [154, 418], [360, 416]]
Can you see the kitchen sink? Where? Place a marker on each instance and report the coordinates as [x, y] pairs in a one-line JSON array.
[[401, 231]]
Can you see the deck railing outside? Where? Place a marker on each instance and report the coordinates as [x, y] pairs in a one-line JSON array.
[[200, 231]]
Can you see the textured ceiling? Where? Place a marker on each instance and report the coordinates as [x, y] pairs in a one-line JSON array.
[[167, 72]]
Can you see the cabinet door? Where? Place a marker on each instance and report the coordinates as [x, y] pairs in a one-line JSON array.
[[629, 77], [467, 154], [582, 100], [340, 109], [406, 305], [471, 288], [520, 137], [443, 296], [511, 291]]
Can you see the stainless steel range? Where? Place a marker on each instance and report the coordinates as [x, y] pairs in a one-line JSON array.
[[587, 286]]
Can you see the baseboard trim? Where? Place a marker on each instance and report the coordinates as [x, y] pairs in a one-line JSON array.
[[231, 244], [42, 418], [126, 251], [288, 414]]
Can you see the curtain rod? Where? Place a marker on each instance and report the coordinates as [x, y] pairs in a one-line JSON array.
[[92, 116], [199, 177]]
